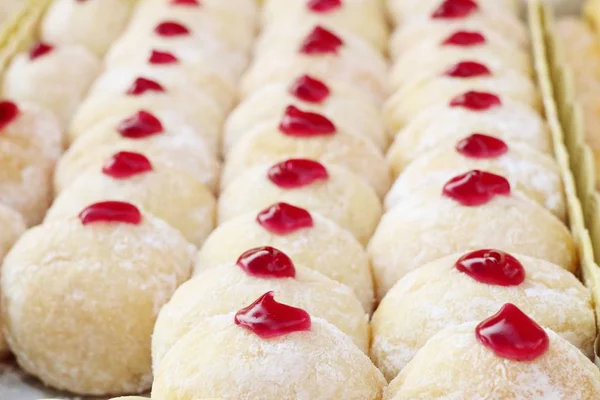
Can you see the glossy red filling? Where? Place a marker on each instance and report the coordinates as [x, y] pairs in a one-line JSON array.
[[476, 188], [283, 219], [476, 101], [9, 111], [321, 41], [323, 6], [267, 262], [126, 164], [162, 57], [481, 146], [194, 3], [143, 85], [111, 211], [171, 29], [296, 173], [454, 9], [140, 125], [309, 89], [493, 267], [468, 69], [296, 122], [465, 39], [40, 49]]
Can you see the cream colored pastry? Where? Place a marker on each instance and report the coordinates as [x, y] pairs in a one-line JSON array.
[[438, 295], [94, 24], [342, 196], [438, 371], [512, 121], [429, 225], [228, 288], [56, 78], [364, 18], [266, 144], [175, 196], [324, 247], [353, 62], [269, 103], [219, 358], [175, 145], [529, 171], [70, 289]]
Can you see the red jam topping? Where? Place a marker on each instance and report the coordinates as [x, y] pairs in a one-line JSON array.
[[481, 146], [9, 111], [283, 219], [511, 334], [476, 188], [468, 69], [296, 122], [493, 267], [453, 9], [193, 3], [476, 101], [40, 49], [321, 41], [162, 57], [309, 89], [267, 262], [464, 39], [323, 6], [171, 29], [140, 126], [296, 173], [126, 164], [111, 211], [143, 85], [268, 319]]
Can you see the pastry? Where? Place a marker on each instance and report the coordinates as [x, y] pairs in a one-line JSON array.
[[54, 77], [81, 295], [257, 271], [175, 196], [529, 171], [308, 238], [527, 361], [330, 190], [474, 210], [470, 286]]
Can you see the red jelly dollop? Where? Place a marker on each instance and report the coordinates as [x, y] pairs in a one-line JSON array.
[[143, 85], [323, 6], [321, 41], [162, 57], [194, 3], [126, 164], [111, 211], [468, 69], [268, 319], [9, 111], [296, 122], [283, 219], [511, 334], [493, 267], [309, 89], [453, 9], [481, 146], [267, 262], [40, 49], [464, 39], [476, 187], [140, 125], [171, 29], [295, 173], [476, 101]]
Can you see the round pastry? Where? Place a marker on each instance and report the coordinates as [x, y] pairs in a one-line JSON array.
[[308, 135], [330, 190], [529, 171], [70, 22], [257, 271], [474, 210], [92, 285], [467, 287], [308, 238], [287, 355], [54, 77], [471, 112], [322, 53], [175, 196], [509, 357], [330, 99], [364, 18], [30, 143]]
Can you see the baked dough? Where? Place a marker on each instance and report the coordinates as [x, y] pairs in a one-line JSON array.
[[219, 358], [437, 296], [438, 371], [429, 225], [70, 290]]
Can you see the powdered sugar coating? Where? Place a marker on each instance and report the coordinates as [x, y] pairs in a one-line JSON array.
[[218, 358], [438, 372]]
